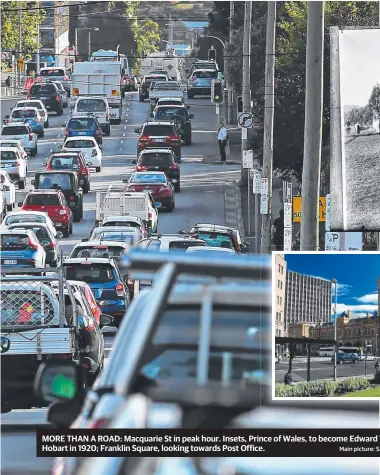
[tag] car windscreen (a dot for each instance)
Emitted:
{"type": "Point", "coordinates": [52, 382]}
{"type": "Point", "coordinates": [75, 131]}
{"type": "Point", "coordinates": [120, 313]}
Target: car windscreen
{"type": "Point", "coordinates": [166, 86]}
{"type": "Point", "coordinates": [39, 231]}
{"type": "Point", "coordinates": [129, 224]}
{"type": "Point", "coordinates": [60, 87]}
{"type": "Point", "coordinates": [156, 159]}
{"type": "Point", "coordinates": [169, 103]}
{"type": "Point", "coordinates": [81, 124]}
{"type": "Point", "coordinates": [204, 74]}
{"type": "Point", "coordinates": [151, 79]}
{"type": "Point", "coordinates": [28, 113]}
{"type": "Point", "coordinates": [59, 179]}
{"type": "Point", "coordinates": [5, 155]}
{"type": "Point", "coordinates": [35, 104]}
{"type": "Point", "coordinates": [24, 218]}
{"type": "Point", "coordinates": [89, 105]}
{"type": "Point", "coordinates": [11, 145]}
{"type": "Point", "coordinates": [106, 251]}
{"type": "Point", "coordinates": [97, 232]}
{"type": "Point", "coordinates": [176, 245]}
{"type": "Point", "coordinates": [159, 130]}
{"type": "Point", "coordinates": [16, 130]}
{"type": "Point", "coordinates": [171, 353]}
{"type": "Point", "coordinates": [79, 144]}
{"type": "Point", "coordinates": [90, 272]}
{"type": "Point", "coordinates": [147, 178]}
{"type": "Point", "coordinates": [11, 242]}
{"type": "Point", "coordinates": [43, 89]}
{"type": "Point", "coordinates": [170, 113]}
{"type": "Point", "coordinates": [42, 200]}
{"type": "Point", "coordinates": [128, 238]}
{"type": "Point", "coordinates": [52, 72]}
{"type": "Point", "coordinates": [64, 163]}
{"type": "Point", "coordinates": [216, 239]}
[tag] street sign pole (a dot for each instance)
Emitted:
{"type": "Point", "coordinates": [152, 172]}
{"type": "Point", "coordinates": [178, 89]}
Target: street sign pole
{"type": "Point", "coordinates": [247, 162]}
{"type": "Point", "coordinates": [256, 191]}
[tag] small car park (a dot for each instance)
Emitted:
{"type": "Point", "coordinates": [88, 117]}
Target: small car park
{"type": "Point", "coordinates": [22, 132]}
{"type": "Point", "coordinates": [54, 204]}
{"type": "Point", "coordinates": [71, 161]}
{"type": "Point", "coordinates": [67, 183]}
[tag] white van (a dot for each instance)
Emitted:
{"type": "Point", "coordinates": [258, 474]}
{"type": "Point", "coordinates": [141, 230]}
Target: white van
{"type": "Point", "coordinates": [99, 106]}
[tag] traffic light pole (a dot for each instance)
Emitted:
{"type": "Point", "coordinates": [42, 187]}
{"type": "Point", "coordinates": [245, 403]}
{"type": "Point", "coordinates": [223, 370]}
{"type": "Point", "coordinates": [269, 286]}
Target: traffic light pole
{"type": "Point", "coordinates": [19, 41]}
{"type": "Point", "coordinates": [230, 102]}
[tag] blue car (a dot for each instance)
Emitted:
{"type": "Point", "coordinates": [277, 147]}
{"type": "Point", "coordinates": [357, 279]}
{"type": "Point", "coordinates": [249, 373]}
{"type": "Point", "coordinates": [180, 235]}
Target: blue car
{"type": "Point", "coordinates": [20, 248]}
{"type": "Point", "coordinates": [30, 115]}
{"type": "Point", "coordinates": [200, 81]}
{"type": "Point", "coordinates": [84, 126]}
{"type": "Point", "coordinates": [105, 281]}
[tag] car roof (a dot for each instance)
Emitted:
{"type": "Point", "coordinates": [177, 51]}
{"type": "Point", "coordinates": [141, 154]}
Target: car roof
{"type": "Point", "coordinates": [116, 229]}
{"type": "Point", "coordinates": [31, 100]}
{"type": "Point", "coordinates": [92, 97]}
{"type": "Point", "coordinates": [121, 218]}
{"type": "Point", "coordinates": [22, 108]}
{"type": "Point", "coordinates": [215, 227]}
{"type": "Point", "coordinates": [11, 140]}
{"type": "Point", "coordinates": [101, 243]}
{"type": "Point", "coordinates": [13, 231]}
{"type": "Point", "coordinates": [55, 172]}
{"type": "Point", "coordinates": [31, 223]}
{"type": "Point", "coordinates": [43, 192]}
{"type": "Point", "coordinates": [95, 260]}
{"type": "Point", "coordinates": [16, 213]}
{"type": "Point", "coordinates": [157, 150]}
{"type": "Point", "coordinates": [212, 249]}
{"type": "Point", "coordinates": [172, 238]}
{"type": "Point", "coordinates": [149, 173]}
{"type": "Point", "coordinates": [179, 106]}
{"type": "Point", "coordinates": [52, 68]}
{"type": "Point", "coordinates": [79, 115]}
{"type": "Point", "coordinates": [179, 98]}
{"type": "Point", "coordinates": [9, 149]}
{"type": "Point", "coordinates": [15, 124]}
{"type": "Point", "coordinates": [65, 154]}
{"type": "Point", "coordinates": [159, 122]}
{"type": "Point", "coordinates": [204, 70]}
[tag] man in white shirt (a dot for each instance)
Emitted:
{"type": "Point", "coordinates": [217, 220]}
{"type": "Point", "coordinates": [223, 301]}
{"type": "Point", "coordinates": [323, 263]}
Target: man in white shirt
{"type": "Point", "coordinates": [222, 141]}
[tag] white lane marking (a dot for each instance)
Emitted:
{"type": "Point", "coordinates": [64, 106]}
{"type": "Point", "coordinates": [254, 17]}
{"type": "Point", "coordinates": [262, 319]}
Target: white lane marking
{"type": "Point", "coordinates": [122, 141]}
{"type": "Point", "coordinates": [125, 127]}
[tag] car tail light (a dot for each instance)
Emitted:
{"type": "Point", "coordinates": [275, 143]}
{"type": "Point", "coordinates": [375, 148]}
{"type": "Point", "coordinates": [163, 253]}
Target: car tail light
{"type": "Point", "coordinates": [99, 423]}
{"type": "Point", "coordinates": [173, 138]}
{"type": "Point", "coordinates": [65, 78]}
{"type": "Point", "coordinates": [32, 244]}
{"type": "Point", "coordinates": [17, 164]}
{"type": "Point", "coordinates": [62, 212]}
{"type": "Point", "coordinates": [39, 79]}
{"type": "Point", "coordinates": [76, 91]}
{"type": "Point", "coordinates": [27, 98]}
{"type": "Point", "coordinates": [83, 171]}
{"type": "Point", "coordinates": [141, 167]}
{"type": "Point", "coordinates": [131, 188]}
{"type": "Point", "coordinates": [173, 167]}
{"type": "Point", "coordinates": [94, 153]}
{"type": "Point", "coordinates": [48, 167]}
{"type": "Point", "coordinates": [62, 356]}
{"type": "Point", "coordinates": [144, 137]}
{"type": "Point", "coordinates": [58, 98]}
{"type": "Point", "coordinates": [149, 215]}
{"type": "Point", "coordinates": [42, 113]}
{"type": "Point", "coordinates": [71, 197]}
{"type": "Point", "coordinates": [30, 136]}
{"type": "Point", "coordinates": [120, 290]}
{"type": "Point", "coordinates": [193, 78]}
{"type": "Point", "coordinates": [66, 132]}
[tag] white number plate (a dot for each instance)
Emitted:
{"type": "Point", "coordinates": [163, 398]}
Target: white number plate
{"type": "Point", "coordinates": [81, 133]}
{"type": "Point", "coordinates": [44, 98]}
{"type": "Point", "coordinates": [159, 140]}
{"type": "Point", "coordinates": [9, 262]}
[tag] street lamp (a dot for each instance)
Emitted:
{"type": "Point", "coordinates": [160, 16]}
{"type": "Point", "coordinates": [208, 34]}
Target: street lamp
{"type": "Point", "coordinates": [89, 38]}
{"type": "Point", "coordinates": [216, 38]}
{"type": "Point", "coordinates": [334, 281]}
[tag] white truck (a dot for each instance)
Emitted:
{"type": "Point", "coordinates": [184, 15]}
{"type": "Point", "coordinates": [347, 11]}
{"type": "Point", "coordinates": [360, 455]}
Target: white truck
{"type": "Point", "coordinates": [161, 62]}
{"type": "Point", "coordinates": [115, 203]}
{"type": "Point", "coordinates": [102, 79]}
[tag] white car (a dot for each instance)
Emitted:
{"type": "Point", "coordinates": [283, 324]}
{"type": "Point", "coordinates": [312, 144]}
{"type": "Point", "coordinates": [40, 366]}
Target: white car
{"type": "Point", "coordinates": [39, 105]}
{"type": "Point", "coordinates": [9, 189]}
{"type": "Point", "coordinates": [22, 132]}
{"type": "Point", "coordinates": [28, 217]}
{"type": "Point", "coordinates": [14, 143]}
{"type": "Point", "coordinates": [368, 358]}
{"type": "Point", "coordinates": [13, 163]}
{"type": "Point", "coordinates": [210, 249]}
{"type": "Point", "coordinates": [89, 147]}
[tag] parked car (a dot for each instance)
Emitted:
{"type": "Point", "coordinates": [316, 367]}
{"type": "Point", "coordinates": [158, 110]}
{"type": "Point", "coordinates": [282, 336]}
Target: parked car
{"type": "Point", "coordinates": [65, 181]}
{"type": "Point", "coordinates": [179, 115]}
{"type": "Point", "coordinates": [21, 248]}
{"type": "Point", "coordinates": [41, 109]}
{"type": "Point", "coordinates": [22, 132]}
{"type": "Point", "coordinates": [45, 238]}
{"type": "Point", "coordinates": [71, 161]}
{"type": "Point", "coordinates": [28, 115]}
{"type": "Point", "coordinates": [159, 135]}
{"type": "Point", "coordinates": [48, 93]}
{"type": "Point", "coordinates": [82, 126]}
{"type": "Point", "coordinates": [14, 165]}
{"type": "Point", "coordinates": [8, 189]}
{"type": "Point", "coordinates": [54, 204]}
{"type": "Point", "coordinates": [157, 183]}
{"type": "Point", "coordinates": [28, 217]}
{"type": "Point", "coordinates": [92, 153]}
{"type": "Point", "coordinates": [103, 276]}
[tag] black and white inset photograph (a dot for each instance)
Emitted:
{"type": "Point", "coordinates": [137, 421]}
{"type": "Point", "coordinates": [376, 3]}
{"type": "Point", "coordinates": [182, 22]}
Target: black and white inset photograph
{"type": "Point", "coordinates": [358, 208]}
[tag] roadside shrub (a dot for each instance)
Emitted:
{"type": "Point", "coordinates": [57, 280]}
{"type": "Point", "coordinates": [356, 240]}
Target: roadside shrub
{"type": "Point", "coordinates": [353, 384]}
{"type": "Point", "coordinates": [322, 388]}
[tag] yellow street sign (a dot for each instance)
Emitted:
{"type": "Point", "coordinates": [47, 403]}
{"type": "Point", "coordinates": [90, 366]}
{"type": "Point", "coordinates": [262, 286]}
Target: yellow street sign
{"type": "Point", "coordinates": [20, 62]}
{"type": "Point", "coordinates": [297, 206]}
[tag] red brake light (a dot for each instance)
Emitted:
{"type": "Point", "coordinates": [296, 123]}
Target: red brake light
{"type": "Point", "coordinates": [32, 244]}
{"type": "Point", "coordinates": [144, 137]}
{"type": "Point", "coordinates": [27, 98]}
{"type": "Point", "coordinates": [30, 136]}
{"type": "Point", "coordinates": [66, 132]}
{"type": "Point", "coordinates": [65, 78]}
{"type": "Point", "coordinates": [51, 245]}
{"type": "Point", "coordinates": [17, 164]}
{"type": "Point", "coordinates": [72, 197]}
{"type": "Point", "coordinates": [42, 113]}
{"type": "Point", "coordinates": [120, 290]}
{"type": "Point", "coordinates": [58, 98]}
{"type": "Point", "coordinates": [173, 137]}
{"type": "Point", "coordinates": [140, 167]}
{"type": "Point", "coordinates": [83, 171]}
{"type": "Point", "coordinates": [149, 216]}
{"type": "Point", "coordinates": [173, 167]}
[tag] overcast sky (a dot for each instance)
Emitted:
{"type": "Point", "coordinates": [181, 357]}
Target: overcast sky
{"type": "Point", "coordinates": [359, 65]}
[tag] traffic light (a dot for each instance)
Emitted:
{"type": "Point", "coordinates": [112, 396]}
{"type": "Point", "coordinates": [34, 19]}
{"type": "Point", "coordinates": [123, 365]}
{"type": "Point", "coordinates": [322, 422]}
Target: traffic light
{"type": "Point", "coordinates": [240, 104]}
{"type": "Point", "coordinates": [212, 54]}
{"type": "Point", "coordinates": [217, 96]}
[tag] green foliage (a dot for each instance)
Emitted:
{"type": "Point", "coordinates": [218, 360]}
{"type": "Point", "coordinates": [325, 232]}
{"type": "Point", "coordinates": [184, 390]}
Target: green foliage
{"type": "Point", "coordinates": [373, 392]}
{"type": "Point", "coordinates": [322, 388]}
{"type": "Point", "coordinates": [10, 24]}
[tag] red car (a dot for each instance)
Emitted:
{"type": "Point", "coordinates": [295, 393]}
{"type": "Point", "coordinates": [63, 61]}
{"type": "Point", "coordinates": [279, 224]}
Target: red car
{"type": "Point", "coordinates": [54, 204]}
{"type": "Point", "coordinates": [157, 183]}
{"type": "Point", "coordinates": [159, 135]}
{"type": "Point", "coordinates": [71, 161]}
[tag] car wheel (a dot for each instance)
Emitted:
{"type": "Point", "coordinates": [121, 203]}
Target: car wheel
{"type": "Point", "coordinates": [77, 216]}
{"type": "Point", "coordinates": [41, 134]}
{"type": "Point", "coordinates": [188, 140]}
{"type": "Point", "coordinates": [98, 169]}
{"type": "Point", "coordinates": [66, 232]}
{"type": "Point", "coordinates": [33, 152]}
{"type": "Point", "coordinates": [170, 207]}
{"type": "Point", "coordinates": [47, 124]}
{"type": "Point", "coordinates": [21, 184]}
{"type": "Point", "coordinates": [177, 187]}
{"type": "Point", "coordinates": [86, 188]}
{"type": "Point", "coordinates": [71, 228]}
{"type": "Point", "coordinates": [60, 111]}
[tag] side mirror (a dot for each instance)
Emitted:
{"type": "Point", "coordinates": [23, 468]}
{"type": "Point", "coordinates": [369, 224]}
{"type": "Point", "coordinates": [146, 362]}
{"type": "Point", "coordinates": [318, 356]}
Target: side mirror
{"type": "Point", "coordinates": [137, 131]}
{"type": "Point", "coordinates": [5, 344]}
{"type": "Point", "coordinates": [191, 116]}
{"type": "Point", "coordinates": [158, 205]}
{"type": "Point", "coordinates": [19, 204]}
{"type": "Point", "coordinates": [58, 382]}
{"type": "Point", "coordinates": [188, 107]}
{"type": "Point", "coordinates": [125, 181]}
{"type": "Point", "coordinates": [106, 320]}
{"type": "Point", "coordinates": [33, 182]}
{"type": "Point", "coordinates": [84, 239]}
{"type": "Point", "coordinates": [134, 162]}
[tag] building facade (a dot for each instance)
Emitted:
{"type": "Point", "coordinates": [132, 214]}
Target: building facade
{"type": "Point", "coordinates": [280, 283]}
{"type": "Point", "coordinates": [307, 299]}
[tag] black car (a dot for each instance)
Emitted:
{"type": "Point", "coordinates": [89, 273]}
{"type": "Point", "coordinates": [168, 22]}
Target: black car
{"type": "Point", "coordinates": [48, 94]}
{"type": "Point", "coordinates": [179, 115]}
{"type": "Point", "coordinates": [67, 182]}
{"type": "Point", "coordinates": [160, 160]}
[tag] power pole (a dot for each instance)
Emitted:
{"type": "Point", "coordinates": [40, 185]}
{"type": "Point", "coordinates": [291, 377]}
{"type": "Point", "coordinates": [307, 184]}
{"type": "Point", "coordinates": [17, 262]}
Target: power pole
{"type": "Point", "coordinates": [38, 47]}
{"type": "Point", "coordinates": [267, 172]}
{"type": "Point", "coordinates": [230, 102]}
{"type": "Point", "coordinates": [246, 86]}
{"type": "Point", "coordinates": [313, 127]}
{"type": "Point", "coordinates": [19, 41]}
